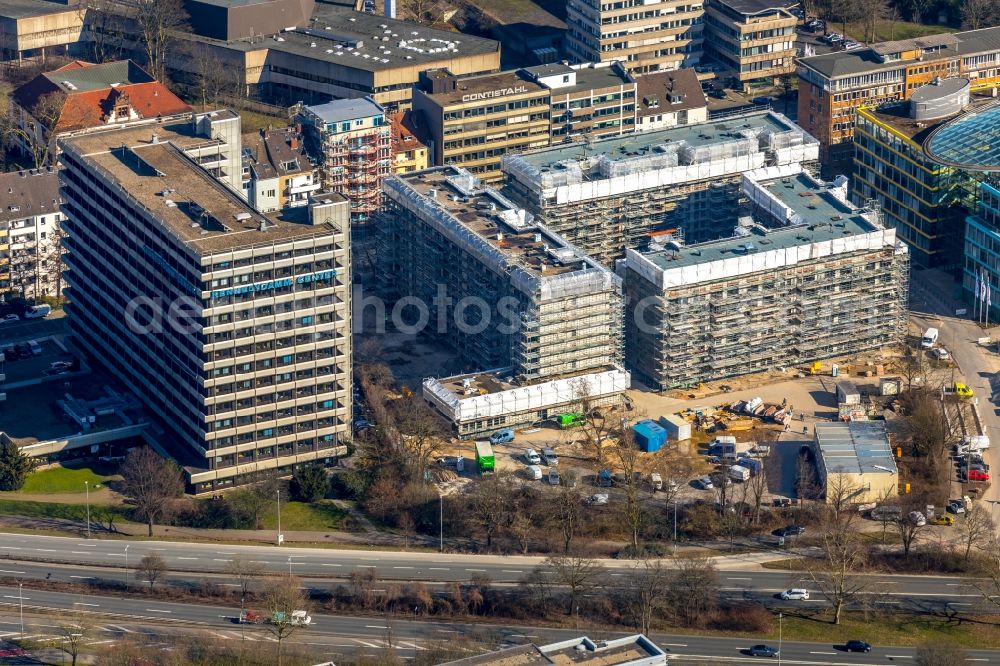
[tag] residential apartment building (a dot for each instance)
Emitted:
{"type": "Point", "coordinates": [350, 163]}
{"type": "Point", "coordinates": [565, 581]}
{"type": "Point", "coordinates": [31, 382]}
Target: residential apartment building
{"type": "Point", "coordinates": [753, 39]}
{"type": "Point", "coordinates": [806, 276]}
{"type": "Point", "coordinates": [669, 99]}
{"type": "Point", "coordinates": [924, 200]}
{"type": "Point", "coordinates": [645, 36]}
{"type": "Point", "coordinates": [632, 191]}
{"type": "Point", "coordinates": [541, 307]}
{"type": "Point", "coordinates": [231, 327]}
{"type": "Point", "coordinates": [352, 140]}
{"type": "Point", "coordinates": [30, 218]}
{"type": "Point", "coordinates": [474, 121]}
{"type": "Point", "coordinates": [833, 86]}
{"type": "Point", "coordinates": [277, 171]}
{"type": "Point", "coordinates": [408, 152]}
{"type": "Point", "coordinates": [81, 95]}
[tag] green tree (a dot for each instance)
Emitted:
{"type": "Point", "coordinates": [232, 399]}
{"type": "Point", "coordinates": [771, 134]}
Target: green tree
{"type": "Point", "coordinates": [309, 483]}
{"type": "Point", "coordinates": [15, 466]}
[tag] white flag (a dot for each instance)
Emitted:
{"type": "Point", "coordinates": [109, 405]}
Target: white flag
{"type": "Point", "coordinates": [975, 293]}
{"type": "Point", "coordinates": [989, 294]}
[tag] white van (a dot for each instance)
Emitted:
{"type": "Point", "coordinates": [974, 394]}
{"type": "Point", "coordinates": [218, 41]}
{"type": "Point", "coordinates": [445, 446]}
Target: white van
{"type": "Point", "coordinates": [930, 337]}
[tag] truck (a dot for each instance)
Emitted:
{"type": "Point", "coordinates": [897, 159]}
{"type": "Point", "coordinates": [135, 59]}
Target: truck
{"type": "Point", "coordinates": [649, 435]}
{"type": "Point", "coordinates": [929, 338]}
{"type": "Point", "coordinates": [570, 420]}
{"type": "Point", "coordinates": [297, 618]}
{"type": "Point", "coordinates": [739, 473]}
{"type": "Point", "coordinates": [753, 464]}
{"type": "Point", "coordinates": [484, 457]}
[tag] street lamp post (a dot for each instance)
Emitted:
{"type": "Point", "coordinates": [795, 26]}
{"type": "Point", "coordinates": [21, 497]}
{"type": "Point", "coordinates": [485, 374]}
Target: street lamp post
{"type": "Point", "coordinates": [289, 565]}
{"type": "Point", "coordinates": [280, 539]}
{"type": "Point", "coordinates": [780, 617]}
{"type": "Point", "coordinates": [86, 485]}
{"type": "Point", "coordinates": [20, 602]}
{"type": "Point", "coordinates": [675, 525]}
{"type": "Point", "coordinates": [126, 568]}
{"type": "Point", "coordinates": [440, 521]}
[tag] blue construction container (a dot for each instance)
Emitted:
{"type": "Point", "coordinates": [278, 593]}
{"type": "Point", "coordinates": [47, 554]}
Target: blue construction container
{"type": "Point", "coordinates": [752, 464]}
{"type": "Point", "coordinates": [649, 435]}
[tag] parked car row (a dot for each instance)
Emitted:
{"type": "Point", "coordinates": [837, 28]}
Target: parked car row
{"type": "Point", "coordinates": [22, 350]}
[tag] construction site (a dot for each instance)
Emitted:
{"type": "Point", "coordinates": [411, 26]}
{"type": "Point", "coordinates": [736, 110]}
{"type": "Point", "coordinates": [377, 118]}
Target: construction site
{"type": "Point", "coordinates": [678, 184]}
{"type": "Point", "coordinates": [352, 141]}
{"type": "Point", "coordinates": [501, 290]}
{"type": "Point", "coordinates": [806, 276]}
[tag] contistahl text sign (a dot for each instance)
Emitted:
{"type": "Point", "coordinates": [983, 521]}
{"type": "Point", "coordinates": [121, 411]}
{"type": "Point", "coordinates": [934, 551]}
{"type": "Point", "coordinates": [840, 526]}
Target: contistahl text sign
{"type": "Point", "coordinates": [499, 92]}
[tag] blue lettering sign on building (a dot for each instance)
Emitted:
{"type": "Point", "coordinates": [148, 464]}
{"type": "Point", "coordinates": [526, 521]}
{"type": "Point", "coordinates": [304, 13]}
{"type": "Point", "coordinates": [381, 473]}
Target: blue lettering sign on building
{"type": "Point", "coordinates": [271, 285]}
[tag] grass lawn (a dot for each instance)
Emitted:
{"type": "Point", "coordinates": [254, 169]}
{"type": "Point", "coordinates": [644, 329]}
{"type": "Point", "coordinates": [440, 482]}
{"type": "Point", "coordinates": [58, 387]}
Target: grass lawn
{"type": "Point", "coordinates": [14, 507]}
{"type": "Point", "coordinates": [890, 30]}
{"type": "Point", "coordinates": [890, 629]}
{"type": "Point", "coordinates": [66, 479]}
{"type": "Point", "coordinates": [254, 122]}
{"type": "Point", "coordinates": [322, 515]}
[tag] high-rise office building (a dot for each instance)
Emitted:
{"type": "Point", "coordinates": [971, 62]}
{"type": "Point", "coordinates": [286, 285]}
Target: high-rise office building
{"type": "Point", "coordinates": [645, 36]}
{"type": "Point", "coordinates": [232, 327]}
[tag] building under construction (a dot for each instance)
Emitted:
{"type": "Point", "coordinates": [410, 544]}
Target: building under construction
{"type": "Point", "coordinates": [806, 276]}
{"type": "Point", "coordinates": [502, 290]}
{"type": "Point", "coordinates": [352, 139]}
{"type": "Point", "coordinates": [679, 183]}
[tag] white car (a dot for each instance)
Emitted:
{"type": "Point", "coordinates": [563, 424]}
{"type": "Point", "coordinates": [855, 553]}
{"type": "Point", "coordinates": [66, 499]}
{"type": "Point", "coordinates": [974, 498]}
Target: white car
{"type": "Point", "coordinates": [9, 319]}
{"type": "Point", "coordinates": [531, 457]}
{"type": "Point", "coordinates": [534, 472]}
{"type": "Point", "coordinates": [940, 353]}
{"type": "Point", "coordinates": [598, 499]}
{"type": "Point", "coordinates": [917, 518]}
{"type": "Point", "coordinates": [795, 594]}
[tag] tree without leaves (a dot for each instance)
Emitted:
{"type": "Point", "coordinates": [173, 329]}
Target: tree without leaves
{"type": "Point", "coordinates": [692, 589]}
{"type": "Point", "coordinates": [152, 566]}
{"type": "Point", "coordinates": [421, 431]}
{"type": "Point", "coordinates": [425, 12]}
{"type": "Point", "coordinates": [150, 482]}
{"type": "Point", "coordinates": [282, 596]}
{"type": "Point", "coordinates": [492, 502]}
{"type": "Point", "coordinates": [641, 594]}
{"type": "Point", "coordinates": [255, 500]}
{"type": "Point", "coordinates": [628, 458]}
{"type": "Point", "coordinates": [577, 574]}
{"type": "Point", "coordinates": [836, 573]}
{"type": "Point", "coordinates": [598, 426]}
{"type": "Point", "coordinates": [157, 20]}
{"type": "Point", "coordinates": [105, 28]}
{"type": "Point", "coordinates": [566, 512]}
{"type": "Point", "coordinates": [907, 528]}
{"type": "Point", "coordinates": [72, 633]}
{"type": "Point", "coordinates": [15, 466]}
{"type": "Point", "coordinates": [977, 529]}
{"type": "Point", "coordinates": [309, 483]}
{"type": "Point", "coordinates": [978, 14]}
{"type": "Point", "coordinates": [37, 138]}
{"type": "Point", "coordinates": [245, 571]}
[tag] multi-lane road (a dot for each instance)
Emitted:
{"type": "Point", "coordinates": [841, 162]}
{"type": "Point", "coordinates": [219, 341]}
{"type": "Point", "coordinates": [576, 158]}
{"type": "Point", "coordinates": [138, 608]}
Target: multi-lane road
{"type": "Point", "coordinates": [24, 557]}
{"type": "Point", "coordinates": [335, 635]}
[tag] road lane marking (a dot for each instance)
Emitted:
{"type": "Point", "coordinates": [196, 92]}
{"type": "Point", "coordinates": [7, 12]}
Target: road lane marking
{"type": "Point", "coordinates": [47, 550]}
{"type": "Point", "coordinates": [121, 629]}
{"type": "Point", "coordinates": [438, 569]}
{"type": "Point", "coordinates": [19, 573]}
{"type": "Point", "coordinates": [976, 659]}
{"type": "Point", "coordinates": [404, 567]}
{"type": "Point", "coordinates": [675, 644]}
{"type": "Point", "coordinates": [511, 571]}
{"type": "Point", "coordinates": [87, 545]}
{"type": "Point", "coordinates": [12, 597]}
{"type": "Point", "coordinates": [374, 626]}
{"type": "Point", "coordinates": [83, 577]}
{"type": "Point", "coordinates": [157, 610]}
{"type": "Point", "coordinates": [216, 559]}
{"type": "Point", "coordinates": [11, 547]}
{"type": "Point", "coordinates": [218, 553]}
{"type": "Point", "coordinates": [479, 570]}
{"type": "Point", "coordinates": [365, 643]}
{"type": "Point", "coordinates": [413, 645]}
{"type": "Point", "coordinates": [738, 579]}
{"type": "Point", "coordinates": [109, 640]}
{"type": "Point", "coordinates": [81, 603]}
{"type": "Point", "coordinates": [331, 565]}
{"type": "Point", "coordinates": [898, 656]}
{"type": "Point", "coordinates": [187, 558]}
{"type": "Point", "coordinates": [368, 566]}
{"type": "Point", "coordinates": [443, 631]}
{"type": "Point", "coordinates": [811, 652]}
{"type": "Point", "coordinates": [79, 552]}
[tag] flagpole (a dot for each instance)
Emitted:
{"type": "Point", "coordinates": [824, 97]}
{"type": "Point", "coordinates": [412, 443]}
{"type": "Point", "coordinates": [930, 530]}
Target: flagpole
{"type": "Point", "coordinates": [975, 297]}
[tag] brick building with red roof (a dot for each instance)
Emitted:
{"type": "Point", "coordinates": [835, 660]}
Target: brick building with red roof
{"type": "Point", "coordinates": [82, 95]}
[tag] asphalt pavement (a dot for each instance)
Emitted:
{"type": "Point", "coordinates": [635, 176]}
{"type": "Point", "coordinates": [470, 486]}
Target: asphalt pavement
{"type": "Point", "coordinates": [336, 634]}
{"type": "Point", "coordinates": [25, 556]}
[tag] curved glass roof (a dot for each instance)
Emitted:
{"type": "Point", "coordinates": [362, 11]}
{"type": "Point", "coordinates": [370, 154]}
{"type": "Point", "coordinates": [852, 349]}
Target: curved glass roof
{"type": "Point", "coordinates": [970, 141]}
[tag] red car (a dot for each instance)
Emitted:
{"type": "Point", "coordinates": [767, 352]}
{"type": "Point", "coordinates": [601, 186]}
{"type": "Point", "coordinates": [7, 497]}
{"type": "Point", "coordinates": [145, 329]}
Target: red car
{"type": "Point", "coordinates": [977, 475]}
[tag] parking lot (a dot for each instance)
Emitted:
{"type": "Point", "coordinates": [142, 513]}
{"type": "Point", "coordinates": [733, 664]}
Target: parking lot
{"type": "Point", "coordinates": [34, 368]}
